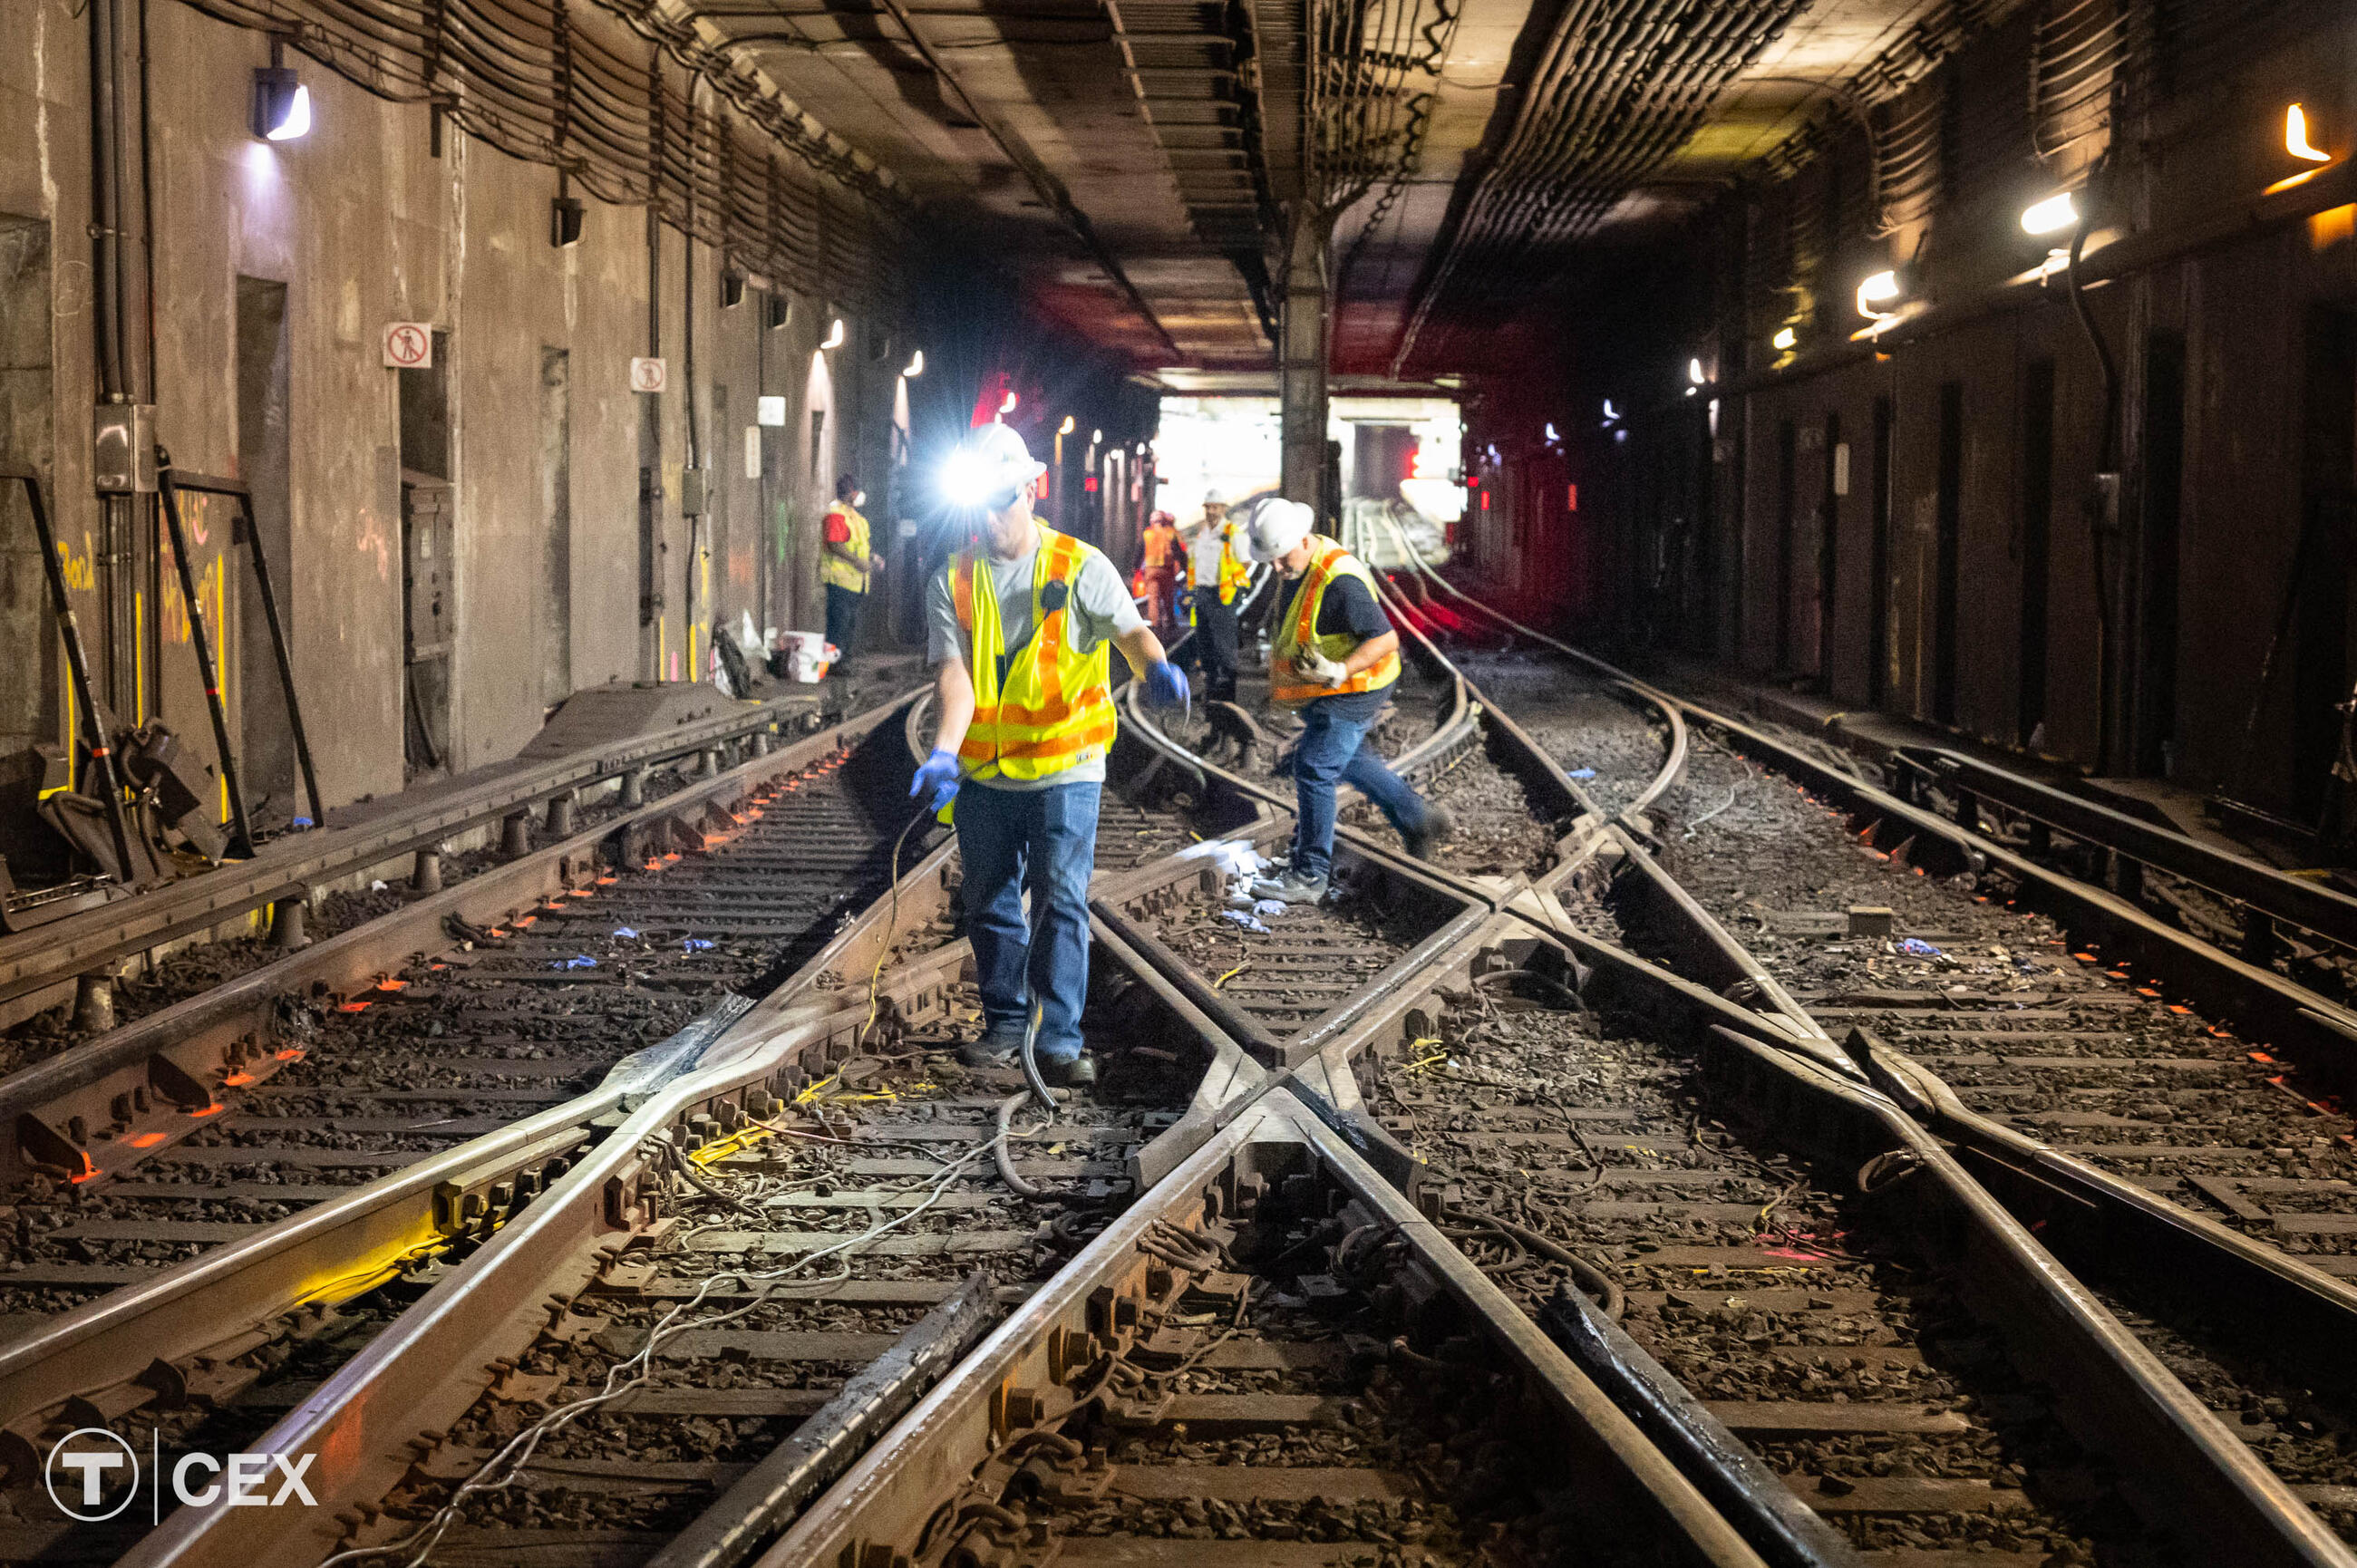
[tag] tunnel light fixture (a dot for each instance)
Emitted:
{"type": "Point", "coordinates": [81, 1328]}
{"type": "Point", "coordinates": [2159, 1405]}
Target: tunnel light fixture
{"type": "Point", "coordinates": [1785, 338]}
{"type": "Point", "coordinates": [1695, 372]}
{"type": "Point", "coordinates": [1878, 293]}
{"type": "Point", "coordinates": [1611, 415]}
{"type": "Point", "coordinates": [1096, 437]}
{"type": "Point", "coordinates": [2052, 215]}
{"type": "Point", "coordinates": [1007, 405]}
{"type": "Point", "coordinates": [2296, 140]}
{"type": "Point", "coordinates": [1065, 428]}
{"type": "Point", "coordinates": [835, 334]}
{"type": "Point", "coordinates": [281, 105]}
{"type": "Point", "coordinates": [916, 365]}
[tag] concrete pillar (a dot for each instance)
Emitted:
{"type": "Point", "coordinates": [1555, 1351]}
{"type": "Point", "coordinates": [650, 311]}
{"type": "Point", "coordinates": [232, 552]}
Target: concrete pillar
{"type": "Point", "coordinates": [515, 834]}
{"type": "Point", "coordinates": [426, 876]}
{"type": "Point", "coordinates": [560, 816]}
{"type": "Point", "coordinates": [1301, 362]}
{"type": "Point", "coordinates": [761, 742]}
{"type": "Point", "coordinates": [634, 787]}
{"type": "Point", "coordinates": [289, 923]}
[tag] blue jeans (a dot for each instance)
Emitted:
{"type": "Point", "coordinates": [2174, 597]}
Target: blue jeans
{"type": "Point", "coordinates": [1333, 746]}
{"type": "Point", "coordinates": [1045, 840]}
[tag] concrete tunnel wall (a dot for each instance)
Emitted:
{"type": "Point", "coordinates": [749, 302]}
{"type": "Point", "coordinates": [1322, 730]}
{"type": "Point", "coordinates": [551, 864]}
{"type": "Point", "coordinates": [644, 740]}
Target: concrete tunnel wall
{"type": "Point", "coordinates": [364, 226]}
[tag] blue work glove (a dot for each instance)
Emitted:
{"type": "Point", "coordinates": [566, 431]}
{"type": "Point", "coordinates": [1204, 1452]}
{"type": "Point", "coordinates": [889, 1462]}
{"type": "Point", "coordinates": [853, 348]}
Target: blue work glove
{"type": "Point", "coordinates": [1166, 684]}
{"type": "Point", "coordinates": [1186, 600]}
{"type": "Point", "coordinates": [940, 775]}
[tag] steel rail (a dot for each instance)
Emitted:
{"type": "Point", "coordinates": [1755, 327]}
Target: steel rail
{"type": "Point", "coordinates": [341, 1248]}
{"type": "Point", "coordinates": [291, 864]}
{"type": "Point", "coordinates": [426, 1368]}
{"type": "Point", "coordinates": [194, 1036]}
{"type": "Point", "coordinates": [2188, 1468]}
{"type": "Point", "coordinates": [888, 1495]}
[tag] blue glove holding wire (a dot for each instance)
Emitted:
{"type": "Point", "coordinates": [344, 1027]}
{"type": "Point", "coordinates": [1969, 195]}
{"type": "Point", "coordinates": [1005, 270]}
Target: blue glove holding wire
{"type": "Point", "coordinates": [1166, 685]}
{"type": "Point", "coordinates": [940, 775]}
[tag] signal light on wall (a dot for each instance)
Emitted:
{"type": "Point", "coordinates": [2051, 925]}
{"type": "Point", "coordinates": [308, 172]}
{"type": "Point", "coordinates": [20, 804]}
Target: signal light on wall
{"type": "Point", "coordinates": [2052, 216]}
{"type": "Point", "coordinates": [281, 105]}
{"type": "Point", "coordinates": [2296, 140]}
{"type": "Point", "coordinates": [1784, 340]}
{"type": "Point", "coordinates": [835, 335]}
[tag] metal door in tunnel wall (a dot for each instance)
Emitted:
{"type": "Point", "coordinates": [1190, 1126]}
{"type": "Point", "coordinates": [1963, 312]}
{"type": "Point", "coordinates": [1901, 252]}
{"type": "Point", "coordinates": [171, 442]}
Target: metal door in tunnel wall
{"type": "Point", "coordinates": [2319, 630]}
{"type": "Point", "coordinates": [266, 743]}
{"type": "Point", "coordinates": [1948, 553]}
{"type": "Point", "coordinates": [2036, 546]}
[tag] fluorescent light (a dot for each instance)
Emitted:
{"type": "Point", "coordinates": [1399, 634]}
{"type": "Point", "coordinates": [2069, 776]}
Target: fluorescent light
{"type": "Point", "coordinates": [2296, 140]}
{"type": "Point", "coordinates": [1785, 337]}
{"type": "Point", "coordinates": [281, 105]}
{"type": "Point", "coordinates": [1695, 373]}
{"type": "Point", "coordinates": [835, 335]}
{"type": "Point", "coordinates": [916, 365]}
{"type": "Point", "coordinates": [2051, 215]}
{"type": "Point", "coordinates": [770, 410]}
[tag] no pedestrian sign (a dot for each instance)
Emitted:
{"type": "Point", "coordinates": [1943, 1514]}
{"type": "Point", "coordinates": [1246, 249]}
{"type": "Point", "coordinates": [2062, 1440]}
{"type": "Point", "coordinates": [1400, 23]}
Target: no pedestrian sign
{"type": "Point", "coordinates": [408, 346]}
{"type": "Point", "coordinates": [646, 375]}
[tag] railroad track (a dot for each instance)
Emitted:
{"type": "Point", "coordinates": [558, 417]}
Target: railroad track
{"type": "Point", "coordinates": [1288, 1193]}
{"type": "Point", "coordinates": [235, 1237]}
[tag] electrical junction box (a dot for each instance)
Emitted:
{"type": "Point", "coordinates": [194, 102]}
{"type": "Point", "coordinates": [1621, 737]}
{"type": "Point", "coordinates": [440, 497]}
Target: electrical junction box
{"type": "Point", "coordinates": [123, 448]}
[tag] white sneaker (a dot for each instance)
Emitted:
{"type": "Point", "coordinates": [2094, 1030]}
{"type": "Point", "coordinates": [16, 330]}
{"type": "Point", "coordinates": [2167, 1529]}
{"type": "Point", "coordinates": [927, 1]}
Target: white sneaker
{"type": "Point", "coordinates": [1291, 888]}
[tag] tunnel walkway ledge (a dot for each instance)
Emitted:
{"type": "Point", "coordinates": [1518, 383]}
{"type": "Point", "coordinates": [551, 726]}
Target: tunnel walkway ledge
{"type": "Point", "coordinates": [378, 839]}
{"type": "Point", "coordinates": [1877, 737]}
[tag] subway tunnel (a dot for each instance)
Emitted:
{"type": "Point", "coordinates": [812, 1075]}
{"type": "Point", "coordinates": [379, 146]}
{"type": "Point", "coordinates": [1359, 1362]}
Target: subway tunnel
{"type": "Point", "coordinates": [1834, 1003]}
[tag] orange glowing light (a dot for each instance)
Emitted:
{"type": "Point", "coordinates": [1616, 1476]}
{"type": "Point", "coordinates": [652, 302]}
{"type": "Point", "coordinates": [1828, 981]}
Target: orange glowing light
{"type": "Point", "coordinates": [359, 1007]}
{"type": "Point", "coordinates": [525, 921]}
{"type": "Point", "coordinates": [213, 1109]}
{"type": "Point", "coordinates": [2296, 140]}
{"type": "Point", "coordinates": [144, 1140]}
{"type": "Point", "coordinates": [390, 984]}
{"type": "Point", "coordinates": [237, 1081]}
{"type": "Point", "coordinates": [291, 1054]}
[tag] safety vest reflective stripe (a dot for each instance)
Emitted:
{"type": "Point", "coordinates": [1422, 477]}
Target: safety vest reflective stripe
{"type": "Point", "coordinates": [1299, 630]}
{"type": "Point", "coordinates": [1055, 705]}
{"type": "Point", "coordinates": [833, 568]}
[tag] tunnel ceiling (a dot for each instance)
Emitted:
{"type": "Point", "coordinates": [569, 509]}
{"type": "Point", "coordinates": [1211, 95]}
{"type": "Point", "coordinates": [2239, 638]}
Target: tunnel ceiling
{"type": "Point", "coordinates": [1135, 162]}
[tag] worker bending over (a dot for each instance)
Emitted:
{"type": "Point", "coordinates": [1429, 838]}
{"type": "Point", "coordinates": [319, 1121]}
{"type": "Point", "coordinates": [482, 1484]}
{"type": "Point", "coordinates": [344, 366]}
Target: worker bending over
{"type": "Point", "coordinates": [845, 567]}
{"type": "Point", "coordinates": [1016, 631]}
{"type": "Point", "coordinates": [1216, 576]}
{"type": "Point", "coordinates": [1333, 655]}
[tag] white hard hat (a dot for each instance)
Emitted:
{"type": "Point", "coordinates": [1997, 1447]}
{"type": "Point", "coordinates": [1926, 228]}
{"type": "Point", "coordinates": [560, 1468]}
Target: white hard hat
{"type": "Point", "coordinates": [1277, 527]}
{"type": "Point", "coordinates": [1215, 497]}
{"type": "Point", "coordinates": [993, 461]}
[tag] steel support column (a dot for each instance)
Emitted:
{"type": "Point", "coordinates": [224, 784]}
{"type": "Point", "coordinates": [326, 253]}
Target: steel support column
{"type": "Point", "coordinates": [1301, 365]}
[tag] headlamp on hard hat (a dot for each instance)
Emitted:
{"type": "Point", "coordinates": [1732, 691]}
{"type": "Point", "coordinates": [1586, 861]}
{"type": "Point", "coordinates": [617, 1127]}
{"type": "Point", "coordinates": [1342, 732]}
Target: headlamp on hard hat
{"type": "Point", "coordinates": [989, 471]}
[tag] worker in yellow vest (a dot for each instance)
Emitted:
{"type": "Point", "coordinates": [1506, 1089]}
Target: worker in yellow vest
{"type": "Point", "coordinates": [1333, 654]}
{"type": "Point", "coordinates": [845, 566]}
{"type": "Point", "coordinates": [1018, 629]}
{"type": "Point", "coordinates": [1217, 574]}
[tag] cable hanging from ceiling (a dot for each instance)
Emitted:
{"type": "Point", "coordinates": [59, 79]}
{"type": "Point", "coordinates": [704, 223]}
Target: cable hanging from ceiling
{"type": "Point", "coordinates": [529, 78]}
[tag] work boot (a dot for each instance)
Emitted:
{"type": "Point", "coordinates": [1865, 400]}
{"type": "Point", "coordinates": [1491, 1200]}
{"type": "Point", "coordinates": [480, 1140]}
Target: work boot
{"type": "Point", "coordinates": [1290, 887]}
{"type": "Point", "coordinates": [1079, 1072]}
{"type": "Point", "coordinates": [1438, 828]}
{"type": "Point", "coordinates": [993, 1047]}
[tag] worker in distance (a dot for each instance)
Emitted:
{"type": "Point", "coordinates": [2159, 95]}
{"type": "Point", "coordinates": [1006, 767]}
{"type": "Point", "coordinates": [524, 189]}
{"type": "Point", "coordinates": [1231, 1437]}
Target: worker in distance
{"type": "Point", "coordinates": [1217, 576]}
{"type": "Point", "coordinates": [1018, 626]}
{"type": "Point", "coordinates": [1334, 655]}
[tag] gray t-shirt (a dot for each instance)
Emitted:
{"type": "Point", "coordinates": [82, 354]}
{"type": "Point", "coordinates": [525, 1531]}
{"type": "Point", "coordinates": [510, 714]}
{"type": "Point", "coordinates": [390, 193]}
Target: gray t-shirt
{"type": "Point", "coordinates": [1099, 610]}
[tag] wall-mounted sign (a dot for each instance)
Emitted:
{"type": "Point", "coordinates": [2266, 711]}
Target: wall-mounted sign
{"type": "Point", "coordinates": [1841, 468]}
{"type": "Point", "coordinates": [770, 411]}
{"type": "Point", "coordinates": [752, 451]}
{"type": "Point", "coordinates": [408, 346]}
{"type": "Point", "coordinates": [647, 375]}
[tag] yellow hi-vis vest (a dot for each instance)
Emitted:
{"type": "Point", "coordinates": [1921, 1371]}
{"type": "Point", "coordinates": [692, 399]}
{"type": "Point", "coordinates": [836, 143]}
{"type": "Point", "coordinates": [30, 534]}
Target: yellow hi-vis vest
{"type": "Point", "coordinates": [1235, 570]}
{"type": "Point", "coordinates": [1297, 628]}
{"type": "Point", "coordinates": [1055, 707]}
{"type": "Point", "coordinates": [833, 568]}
